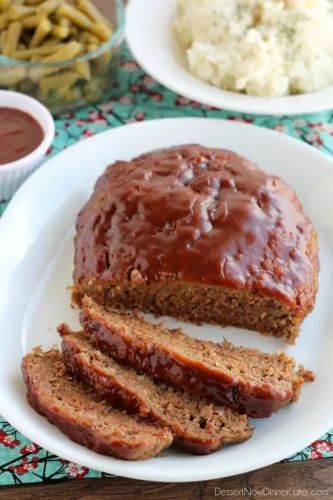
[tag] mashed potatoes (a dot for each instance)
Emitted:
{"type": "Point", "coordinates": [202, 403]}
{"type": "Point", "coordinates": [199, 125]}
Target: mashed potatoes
{"type": "Point", "coordinates": [260, 47]}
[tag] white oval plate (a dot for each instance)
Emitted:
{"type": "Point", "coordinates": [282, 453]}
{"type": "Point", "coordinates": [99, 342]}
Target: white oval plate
{"type": "Point", "coordinates": [150, 37]}
{"type": "Point", "coordinates": [36, 256]}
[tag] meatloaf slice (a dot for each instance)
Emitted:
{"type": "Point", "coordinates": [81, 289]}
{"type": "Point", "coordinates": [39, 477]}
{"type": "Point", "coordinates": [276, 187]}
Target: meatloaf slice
{"type": "Point", "coordinates": [198, 426]}
{"type": "Point", "coordinates": [82, 416]}
{"type": "Point", "coordinates": [245, 379]}
{"type": "Point", "coordinates": [200, 234]}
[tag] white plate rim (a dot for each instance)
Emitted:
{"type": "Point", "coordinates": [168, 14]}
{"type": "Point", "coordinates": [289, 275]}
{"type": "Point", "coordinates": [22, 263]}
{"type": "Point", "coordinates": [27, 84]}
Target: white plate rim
{"type": "Point", "coordinates": [118, 466]}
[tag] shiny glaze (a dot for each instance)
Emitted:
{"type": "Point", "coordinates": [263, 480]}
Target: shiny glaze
{"type": "Point", "coordinates": [197, 215]}
{"type": "Point", "coordinates": [20, 134]}
{"type": "Point", "coordinates": [80, 435]}
{"type": "Point", "coordinates": [120, 397]}
{"type": "Point", "coordinates": [84, 435]}
{"type": "Point", "coordinates": [192, 377]}
{"type": "Point", "coordinates": [115, 395]}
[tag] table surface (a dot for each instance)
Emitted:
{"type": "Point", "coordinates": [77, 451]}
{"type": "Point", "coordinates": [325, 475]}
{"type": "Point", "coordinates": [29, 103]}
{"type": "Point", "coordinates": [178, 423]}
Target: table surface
{"type": "Point", "coordinates": [138, 97]}
{"type": "Point", "coordinates": [304, 480]}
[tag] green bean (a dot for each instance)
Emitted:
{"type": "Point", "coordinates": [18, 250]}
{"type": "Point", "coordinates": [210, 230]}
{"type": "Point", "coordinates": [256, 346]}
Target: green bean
{"type": "Point", "coordinates": [42, 30]}
{"type": "Point", "coordinates": [67, 78]}
{"type": "Point", "coordinates": [55, 32]}
{"type": "Point", "coordinates": [13, 36]}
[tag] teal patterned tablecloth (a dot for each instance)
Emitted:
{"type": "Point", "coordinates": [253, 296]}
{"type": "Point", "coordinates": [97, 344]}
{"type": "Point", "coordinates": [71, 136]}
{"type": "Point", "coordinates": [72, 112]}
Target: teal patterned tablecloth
{"type": "Point", "coordinates": [138, 97]}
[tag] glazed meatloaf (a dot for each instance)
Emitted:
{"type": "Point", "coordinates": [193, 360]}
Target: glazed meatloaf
{"type": "Point", "coordinates": [198, 426]}
{"type": "Point", "coordinates": [83, 416]}
{"type": "Point", "coordinates": [199, 234]}
{"type": "Point", "coordinates": [245, 379]}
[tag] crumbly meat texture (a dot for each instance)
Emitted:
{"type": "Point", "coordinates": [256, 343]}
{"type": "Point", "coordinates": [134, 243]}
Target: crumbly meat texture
{"type": "Point", "coordinates": [199, 426]}
{"type": "Point", "coordinates": [246, 379]}
{"type": "Point", "coordinates": [199, 234]}
{"type": "Point", "coordinates": [85, 418]}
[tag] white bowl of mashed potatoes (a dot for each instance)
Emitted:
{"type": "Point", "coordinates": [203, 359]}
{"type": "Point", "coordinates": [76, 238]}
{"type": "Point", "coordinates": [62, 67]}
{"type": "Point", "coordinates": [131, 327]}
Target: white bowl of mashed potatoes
{"type": "Point", "coordinates": [258, 47]}
{"type": "Point", "coordinates": [258, 56]}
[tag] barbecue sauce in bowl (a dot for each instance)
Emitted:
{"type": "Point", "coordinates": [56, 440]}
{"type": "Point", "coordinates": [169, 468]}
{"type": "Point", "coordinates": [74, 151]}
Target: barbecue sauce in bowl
{"type": "Point", "coordinates": [20, 134]}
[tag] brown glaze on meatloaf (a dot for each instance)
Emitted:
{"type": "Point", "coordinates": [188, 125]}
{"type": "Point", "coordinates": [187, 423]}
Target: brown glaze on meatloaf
{"type": "Point", "coordinates": [198, 426]}
{"type": "Point", "coordinates": [247, 380]}
{"type": "Point", "coordinates": [84, 417]}
{"type": "Point", "coordinates": [196, 217]}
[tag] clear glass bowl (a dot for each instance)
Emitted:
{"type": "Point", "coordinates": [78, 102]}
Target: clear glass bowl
{"type": "Point", "coordinates": [93, 73]}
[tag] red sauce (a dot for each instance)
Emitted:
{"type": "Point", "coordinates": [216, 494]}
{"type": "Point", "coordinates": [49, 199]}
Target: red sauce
{"type": "Point", "coordinates": [191, 377]}
{"type": "Point", "coordinates": [198, 215]}
{"type": "Point", "coordinates": [119, 397]}
{"type": "Point", "coordinates": [20, 134]}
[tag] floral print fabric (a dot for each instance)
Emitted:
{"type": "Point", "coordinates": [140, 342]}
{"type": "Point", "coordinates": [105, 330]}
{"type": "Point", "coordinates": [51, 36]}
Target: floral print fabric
{"type": "Point", "coordinates": [136, 97]}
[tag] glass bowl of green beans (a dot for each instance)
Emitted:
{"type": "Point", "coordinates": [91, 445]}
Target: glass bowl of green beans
{"type": "Point", "coordinates": [62, 52]}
